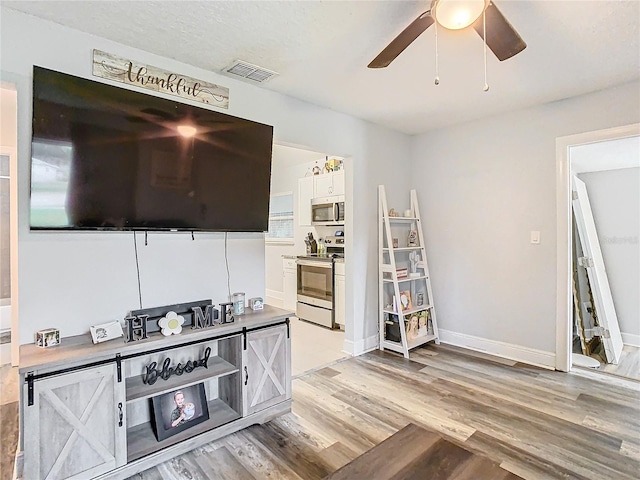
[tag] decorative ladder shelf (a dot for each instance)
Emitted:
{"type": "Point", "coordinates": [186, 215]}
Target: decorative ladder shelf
{"type": "Point", "coordinates": [416, 324]}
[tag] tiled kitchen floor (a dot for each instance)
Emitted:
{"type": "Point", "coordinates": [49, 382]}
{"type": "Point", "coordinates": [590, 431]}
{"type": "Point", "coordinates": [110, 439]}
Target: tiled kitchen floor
{"type": "Point", "coordinates": [313, 346]}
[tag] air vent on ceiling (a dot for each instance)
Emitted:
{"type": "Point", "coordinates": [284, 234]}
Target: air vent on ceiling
{"type": "Point", "coordinates": [249, 71]}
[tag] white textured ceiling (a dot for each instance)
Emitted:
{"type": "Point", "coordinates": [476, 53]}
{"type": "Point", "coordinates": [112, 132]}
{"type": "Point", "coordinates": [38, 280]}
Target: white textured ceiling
{"type": "Point", "coordinates": [321, 50]}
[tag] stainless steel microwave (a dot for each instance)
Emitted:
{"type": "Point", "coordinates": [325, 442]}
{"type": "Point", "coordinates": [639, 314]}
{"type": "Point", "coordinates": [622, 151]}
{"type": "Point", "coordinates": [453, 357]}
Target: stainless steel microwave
{"type": "Point", "coordinates": [327, 210]}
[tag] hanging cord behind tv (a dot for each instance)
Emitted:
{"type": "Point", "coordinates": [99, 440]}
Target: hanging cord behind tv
{"type": "Point", "coordinates": [135, 247]}
{"type": "Point", "coordinates": [226, 261]}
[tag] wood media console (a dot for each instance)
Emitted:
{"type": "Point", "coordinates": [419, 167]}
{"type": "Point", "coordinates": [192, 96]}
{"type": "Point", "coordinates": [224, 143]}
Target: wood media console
{"type": "Point", "coordinates": [86, 412]}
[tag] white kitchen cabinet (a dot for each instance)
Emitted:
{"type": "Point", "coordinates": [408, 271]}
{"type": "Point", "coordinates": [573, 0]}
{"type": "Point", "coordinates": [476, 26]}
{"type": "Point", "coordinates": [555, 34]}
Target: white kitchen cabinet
{"type": "Point", "coordinates": [289, 283]}
{"type": "Point", "coordinates": [323, 185]}
{"type": "Point", "coordinates": [340, 296]}
{"type": "Point", "coordinates": [338, 183]}
{"type": "Point", "coordinates": [328, 184]}
{"type": "Point", "coordinates": [305, 194]}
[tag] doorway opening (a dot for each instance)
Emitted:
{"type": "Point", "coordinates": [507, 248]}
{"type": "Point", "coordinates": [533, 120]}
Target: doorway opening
{"type": "Point", "coordinates": [601, 160]}
{"type": "Point", "coordinates": [318, 330]}
{"type": "Point", "coordinates": [9, 346]}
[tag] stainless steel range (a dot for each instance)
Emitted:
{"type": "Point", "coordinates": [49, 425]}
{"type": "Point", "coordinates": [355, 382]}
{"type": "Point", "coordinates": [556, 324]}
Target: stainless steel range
{"type": "Point", "coordinates": [316, 298]}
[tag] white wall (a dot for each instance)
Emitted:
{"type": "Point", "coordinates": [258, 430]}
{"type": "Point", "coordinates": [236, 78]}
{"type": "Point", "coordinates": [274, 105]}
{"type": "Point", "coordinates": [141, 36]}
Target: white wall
{"type": "Point", "coordinates": [74, 280]}
{"type": "Point", "coordinates": [483, 186]}
{"type": "Point", "coordinates": [284, 178]}
{"type": "Point", "coordinates": [614, 196]}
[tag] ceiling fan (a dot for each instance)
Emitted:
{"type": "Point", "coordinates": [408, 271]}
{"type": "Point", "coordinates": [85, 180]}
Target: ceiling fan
{"type": "Point", "coordinates": [501, 37]}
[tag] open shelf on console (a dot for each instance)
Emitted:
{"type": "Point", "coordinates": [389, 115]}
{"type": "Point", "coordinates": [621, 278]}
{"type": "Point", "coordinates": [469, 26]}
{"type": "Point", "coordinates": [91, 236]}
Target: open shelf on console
{"type": "Point", "coordinates": [142, 441]}
{"type": "Point", "coordinates": [137, 389]}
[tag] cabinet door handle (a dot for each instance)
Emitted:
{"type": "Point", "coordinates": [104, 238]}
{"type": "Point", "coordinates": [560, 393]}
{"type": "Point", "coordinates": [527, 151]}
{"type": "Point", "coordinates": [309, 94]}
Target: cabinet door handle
{"type": "Point", "coordinates": [120, 415]}
{"type": "Point", "coordinates": [246, 375]}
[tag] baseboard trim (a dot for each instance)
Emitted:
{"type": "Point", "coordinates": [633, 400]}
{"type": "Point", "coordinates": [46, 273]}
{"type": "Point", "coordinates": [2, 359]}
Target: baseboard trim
{"type": "Point", "coordinates": [510, 351]}
{"type": "Point", "coordinates": [361, 346]}
{"type": "Point", "coordinates": [18, 464]}
{"type": "Point", "coordinates": [274, 298]}
{"type": "Point", "coordinates": [631, 339]}
{"type": "Point", "coordinates": [5, 336]}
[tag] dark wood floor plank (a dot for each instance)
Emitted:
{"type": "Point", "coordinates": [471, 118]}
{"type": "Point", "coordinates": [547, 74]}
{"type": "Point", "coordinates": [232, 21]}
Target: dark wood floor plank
{"type": "Point", "coordinates": [183, 467]}
{"type": "Point", "coordinates": [595, 404]}
{"type": "Point", "coordinates": [504, 452]}
{"type": "Point", "coordinates": [414, 453]}
{"type": "Point", "coordinates": [403, 447]}
{"type": "Point", "coordinates": [337, 455]}
{"type": "Point", "coordinates": [257, 458]}
{"type": "Point", "coordinates": [530, 397]}
{"type": "Point", "coordinates": [616, 429]}
{"type": "Point", "coordinates": [149, 474]}
{"type": "Point", "coordinates": [328, 372]}
{"type": "Point", "coordinates": [347, 425]}
{"type": "Point", "coordinates": [426, 406]}
{"type": "Point", "coordinates": [564, 430]}
{"type": "Point", "coordinates": [8, 438]}
{"type": "Point", "coordinates": [221, 464]}
{"type": "Point", "coordinates": [558, 447]}
{"type": "Point", "coordinates": [492, 379]}
{"type": "Point", "coordinates": [301, 458]}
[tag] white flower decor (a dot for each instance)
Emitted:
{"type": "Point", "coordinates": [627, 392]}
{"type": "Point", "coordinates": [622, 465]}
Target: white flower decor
{"type": "Point", "coordinates": [171, 324]}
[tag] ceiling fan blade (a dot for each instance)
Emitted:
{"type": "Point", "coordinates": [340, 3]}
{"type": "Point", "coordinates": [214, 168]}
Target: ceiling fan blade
{"type": "Point", "coordinates": [402, 41]}
{"type": "Point", "coordinates": [158, 113]}
{"type": "Point", "coordinates": [502, 38]}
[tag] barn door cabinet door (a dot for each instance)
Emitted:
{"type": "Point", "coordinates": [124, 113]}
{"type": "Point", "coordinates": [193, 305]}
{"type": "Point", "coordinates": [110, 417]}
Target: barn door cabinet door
{"type": "Point", "coordinates": [75, 428]}
{"type": "Point", "coordinates": [267, 369]}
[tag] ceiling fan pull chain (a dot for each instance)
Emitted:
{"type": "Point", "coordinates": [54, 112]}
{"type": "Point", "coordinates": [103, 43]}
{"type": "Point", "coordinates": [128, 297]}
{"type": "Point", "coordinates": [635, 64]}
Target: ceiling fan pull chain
{"type": "Point", "coordinates": [484, 28]}
{"type": "Point", "coordinates": [437, 80]}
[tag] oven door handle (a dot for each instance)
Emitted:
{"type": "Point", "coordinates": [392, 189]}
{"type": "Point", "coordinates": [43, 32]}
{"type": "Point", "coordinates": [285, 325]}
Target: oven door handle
{"type": "Point", "coordinates": [311, 263]}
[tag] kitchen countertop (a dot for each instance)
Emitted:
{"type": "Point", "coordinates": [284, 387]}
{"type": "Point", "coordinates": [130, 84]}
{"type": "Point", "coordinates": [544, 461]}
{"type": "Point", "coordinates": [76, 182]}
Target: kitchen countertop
{"type": "Point", "coordinates": [319, 257]}
{"type": "Point", "coordinates": [322, 257]}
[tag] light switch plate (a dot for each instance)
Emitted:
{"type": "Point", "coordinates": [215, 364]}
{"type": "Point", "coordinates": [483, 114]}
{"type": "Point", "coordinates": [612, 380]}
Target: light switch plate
{"type": "Point", "coordinates": [535, 237]}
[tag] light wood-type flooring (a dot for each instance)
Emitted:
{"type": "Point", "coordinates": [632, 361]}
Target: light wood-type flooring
{"type": "Point", "coordinates": [629, 365]}
{"type": "Point", "coordinates": [535, 423]}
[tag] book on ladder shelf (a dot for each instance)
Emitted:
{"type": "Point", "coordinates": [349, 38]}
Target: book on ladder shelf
{"type": "Point", "coordinates": [407, 314]}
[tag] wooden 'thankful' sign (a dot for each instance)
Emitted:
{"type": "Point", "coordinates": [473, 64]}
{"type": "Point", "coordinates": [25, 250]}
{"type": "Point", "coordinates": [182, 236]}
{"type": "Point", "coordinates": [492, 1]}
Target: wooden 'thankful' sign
{"type": "Point", "coordinates": [130, 72]}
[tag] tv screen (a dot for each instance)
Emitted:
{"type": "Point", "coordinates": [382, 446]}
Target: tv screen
{"type": "Point", "coordinates": [108, 158]}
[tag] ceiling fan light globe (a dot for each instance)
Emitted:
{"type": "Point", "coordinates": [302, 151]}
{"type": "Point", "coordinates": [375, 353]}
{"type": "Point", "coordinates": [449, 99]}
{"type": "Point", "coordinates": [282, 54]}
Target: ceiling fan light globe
{"type": "Point", "coordinates": [458, 14]}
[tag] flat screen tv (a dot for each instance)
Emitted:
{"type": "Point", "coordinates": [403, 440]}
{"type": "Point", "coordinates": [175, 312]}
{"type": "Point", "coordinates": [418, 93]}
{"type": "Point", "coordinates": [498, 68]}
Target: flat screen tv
{"type": "Point", "coordinates": [108, 158]}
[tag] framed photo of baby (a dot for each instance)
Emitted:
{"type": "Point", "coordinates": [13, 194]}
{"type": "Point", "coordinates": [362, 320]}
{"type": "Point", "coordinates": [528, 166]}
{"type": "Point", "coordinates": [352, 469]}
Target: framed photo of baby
{"type": "Point", "coordinates": [178, 410]}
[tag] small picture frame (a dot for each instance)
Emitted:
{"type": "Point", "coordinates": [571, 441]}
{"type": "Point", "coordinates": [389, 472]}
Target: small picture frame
{"type": "Point", "coordinates": [105, 331]}
{"type": "Point", "coordinates": [412, 238]}
{"type": "Point", "coordinates": [405, 300]}
{"type": "Point", "coordinates": [411, 326]}
{"type": "Point", "coordinates": [395, 243]}
{"type": "Point", "coordinates": [256, 303]}
{"type": "Point", "coordinates": [179, 410]}
{"type": "Point", "coordinates": [417, 325]}
{"type": "Point", "coordinates": [423, 324]}
{"type": "Point", "coordinates": [49, 337]}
